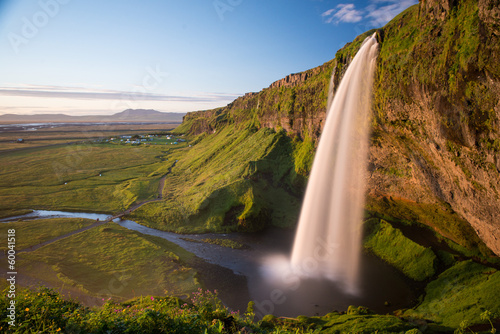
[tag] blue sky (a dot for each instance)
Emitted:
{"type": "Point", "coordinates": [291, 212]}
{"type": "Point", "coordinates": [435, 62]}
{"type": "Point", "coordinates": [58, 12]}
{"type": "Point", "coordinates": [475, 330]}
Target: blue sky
{"type": "Point", "coordinates": [100, 57]}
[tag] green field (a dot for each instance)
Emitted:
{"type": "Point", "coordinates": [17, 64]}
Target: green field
{"type": "Point", "coordinates": [85, 177]}
{"type": "Point", "coordinates": [32, 233]}
{"type": "Point", "coordinates": [110, 261]}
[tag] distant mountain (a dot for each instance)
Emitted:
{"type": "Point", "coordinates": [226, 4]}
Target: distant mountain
{"type": "Point", "coordinates": [129, 115]}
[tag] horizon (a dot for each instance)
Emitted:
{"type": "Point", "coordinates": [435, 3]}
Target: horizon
{"type": "Point", "coordinates": [85, 115]}
{"type": "Point", "coordinates": [92, 58]}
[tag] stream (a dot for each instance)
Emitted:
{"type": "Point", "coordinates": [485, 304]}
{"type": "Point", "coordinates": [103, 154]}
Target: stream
{"type": "Point", "coordinates": [270, 283]}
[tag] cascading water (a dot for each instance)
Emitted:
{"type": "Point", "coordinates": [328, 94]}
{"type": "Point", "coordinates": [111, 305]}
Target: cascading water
{"type": "Point", "coordinates": [328, 239]}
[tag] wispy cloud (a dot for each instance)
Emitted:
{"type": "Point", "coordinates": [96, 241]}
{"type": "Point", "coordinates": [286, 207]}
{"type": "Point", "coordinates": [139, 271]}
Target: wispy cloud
{"type": "Point", "coordinates": [382, 14]}
{"type": "Point", "coordinates": [343, 13]}
{"type": "Point", "coordinates": [73, 100]}
{"type": "Point", "coordinates": [378, 12]}
{"type": "Point", "coordinates": [41, 91]}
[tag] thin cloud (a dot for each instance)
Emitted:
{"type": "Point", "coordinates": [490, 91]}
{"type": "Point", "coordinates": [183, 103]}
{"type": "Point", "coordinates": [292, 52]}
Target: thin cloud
{"type": "Point", "coordinates": [343, 13]}
{"type": "Point", "coordinates": [382, 15]}
{"type": "Point", "coordinates": [379, 12]}
{"type": "Point", "coordinates": [94, 94]}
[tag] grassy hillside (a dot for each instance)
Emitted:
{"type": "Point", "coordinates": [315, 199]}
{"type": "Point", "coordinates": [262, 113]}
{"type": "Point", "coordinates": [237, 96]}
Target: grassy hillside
{"type": "Point", "coordinates": [239, 178]}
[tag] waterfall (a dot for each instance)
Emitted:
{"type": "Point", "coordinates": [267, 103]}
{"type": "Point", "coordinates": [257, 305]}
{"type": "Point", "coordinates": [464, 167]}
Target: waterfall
{"type": "Point", "coordinates": [328, 239]}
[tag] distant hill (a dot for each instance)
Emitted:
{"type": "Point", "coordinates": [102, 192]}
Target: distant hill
{"type": "Point", "coordinates": [129, 115]}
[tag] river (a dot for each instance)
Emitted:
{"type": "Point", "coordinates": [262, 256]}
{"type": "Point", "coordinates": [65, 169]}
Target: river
{"type": "Point", "coordinates": [269, 282]}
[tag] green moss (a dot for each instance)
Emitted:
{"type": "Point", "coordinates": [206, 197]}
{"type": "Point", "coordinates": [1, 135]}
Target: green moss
{"type": "Point", "coordinates": [365, 324]}
{"type": "Point", "coordinates": [440, 217]}
{"type": "Point", "coordinates": [304, 156]}
{"type": "Point", "coordinates": [388, 243]}
{"type": "Point", "coordinates": [459, 294]}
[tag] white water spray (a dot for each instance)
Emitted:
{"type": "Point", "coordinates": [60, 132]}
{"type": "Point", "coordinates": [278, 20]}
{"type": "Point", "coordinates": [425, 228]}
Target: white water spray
{"type": "Point", "coordinates": [328, 239]}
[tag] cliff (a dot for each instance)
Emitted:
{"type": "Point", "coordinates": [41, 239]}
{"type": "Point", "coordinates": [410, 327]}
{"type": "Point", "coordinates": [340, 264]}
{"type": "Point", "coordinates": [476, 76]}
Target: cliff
{"type": "Point", "coordinates": [435, 147]}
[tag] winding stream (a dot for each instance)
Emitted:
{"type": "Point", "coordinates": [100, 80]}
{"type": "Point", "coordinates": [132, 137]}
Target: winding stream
{"type": "Point", "coordinates": [270, 282]}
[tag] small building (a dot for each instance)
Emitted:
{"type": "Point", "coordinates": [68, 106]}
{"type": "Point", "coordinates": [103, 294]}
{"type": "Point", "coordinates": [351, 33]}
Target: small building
{"type": "Point", "coordinates": [20, 140]}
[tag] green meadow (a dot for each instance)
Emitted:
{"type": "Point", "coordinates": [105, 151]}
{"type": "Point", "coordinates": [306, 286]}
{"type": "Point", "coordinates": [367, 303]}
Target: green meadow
{"type": "Point", "coordinates": [93, 177]}
{"type": "Point", "coordinates": [32, 233]}
{"type": "Point", "coordinates": [110, 261]}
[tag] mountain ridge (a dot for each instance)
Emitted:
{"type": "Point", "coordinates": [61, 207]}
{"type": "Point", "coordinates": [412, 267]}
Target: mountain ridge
{"type": "Point", "coordinates": [129, 115]}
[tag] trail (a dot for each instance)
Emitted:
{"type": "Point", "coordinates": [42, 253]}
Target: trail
{"type": "Point", "coordinates": [102, 222]}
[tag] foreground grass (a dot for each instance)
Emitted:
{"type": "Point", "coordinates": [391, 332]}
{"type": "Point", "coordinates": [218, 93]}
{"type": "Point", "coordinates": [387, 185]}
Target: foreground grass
{"type": "Point", "coordinates": [32, 233]}
{"type": "Point", "coordinates": [44, 311]}
{"type": "Point", "coordinates": [112, 261]}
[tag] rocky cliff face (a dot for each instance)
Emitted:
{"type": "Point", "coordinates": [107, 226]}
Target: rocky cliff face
{"type": "Point", "coordinates": [438, 113]}
{"type": "Point", "coordinates": [435, 152]}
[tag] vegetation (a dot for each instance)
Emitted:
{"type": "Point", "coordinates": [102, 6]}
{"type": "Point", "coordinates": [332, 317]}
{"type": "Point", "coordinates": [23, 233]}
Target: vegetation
{"type": "Point", "coordinates": [112, 261]}
{"type": "Point", "coordinates": [245, 167]}
{"type": "Point", "coordinates": [32, 233]}
{"type": "Point", "coordinates": [44, 311]}
{"type": "Point", "coordinates": [85, 177]}
{"type": "Point", "coordinates": [460, 295]}
{"type": "Point", "coordinates": [225, 243]}
{"type": "Point", "coordinates": [388, 243]}
{"type": "Point", "coordinates": [236, 179]}
{"type": "Point", "coordinates": [447, 223]}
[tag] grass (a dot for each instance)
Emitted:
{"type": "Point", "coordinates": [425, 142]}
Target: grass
{"type": "Point", "coordinates": [235, 179]}
{"type": "Point", "coordinates": [225, 243]}
{"type": "Point", "coordinates": [91, 177]}
{"type": "Point", "coordinates": [44, 311]}
{"type": "Point", "coordinates": [220, 242]}
{"type": "Point", "coordinates": [32, 233]}
{"type": "Point", "coordinates": [13, 212]}
{"type": "Point", "coordinates": [112, 261]}
{"type": "Point", "coordinates": [389, 243]}
{"type": "Point", "coordinates": [461, 294]}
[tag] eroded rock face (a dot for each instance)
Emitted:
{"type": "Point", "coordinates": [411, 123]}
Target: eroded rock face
{"type": "Point", "coordinates": [418, 163]}
{"type": "Point", "coordinates": [437, 9]}
{"type": "Point", "coordinates": [489, 13]}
